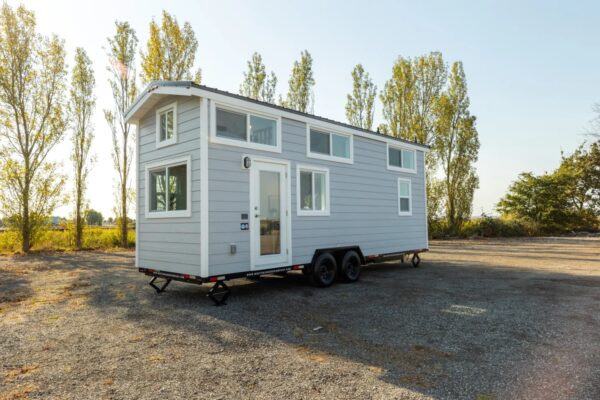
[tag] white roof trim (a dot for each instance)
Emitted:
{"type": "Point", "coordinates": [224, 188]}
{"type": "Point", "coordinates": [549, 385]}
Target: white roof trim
{"type": "Point", "coordinates": [222, 98]}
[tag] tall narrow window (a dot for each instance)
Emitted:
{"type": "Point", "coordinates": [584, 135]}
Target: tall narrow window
{"type": "Point", "coordinates": [313, 191]}
{"type": "Point", "coordinates": [404, 197]}
{"type": "Point", "coordinates": [166, 125]}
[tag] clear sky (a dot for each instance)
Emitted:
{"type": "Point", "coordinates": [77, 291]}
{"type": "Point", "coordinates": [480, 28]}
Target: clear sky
{"type": "Point", "coordinates": [532, 67]}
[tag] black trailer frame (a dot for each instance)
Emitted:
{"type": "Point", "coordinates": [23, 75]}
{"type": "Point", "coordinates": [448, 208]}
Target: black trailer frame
{"type": "Point", "coordinates": [219, 292]}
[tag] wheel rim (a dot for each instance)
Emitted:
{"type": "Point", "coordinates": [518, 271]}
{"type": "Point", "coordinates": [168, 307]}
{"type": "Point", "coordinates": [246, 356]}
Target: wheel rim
{"type": "Point", "coordinates": [352, 268]}
{"type": "Point", "coordinates": [325, 272]}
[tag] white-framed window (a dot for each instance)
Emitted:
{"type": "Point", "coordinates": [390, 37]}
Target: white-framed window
{"type": "Point", "coordinates": [401, 159]}
{"type": "Point", "coordinates": [312, 190]}
{"type": "Point", "coordinates": [244, 128]}
{"type": "Point", "coordinates": [168, 188]}
{"type": "Point", "coordinates": [404, 197]}
{"type": "Point", "coordinates": [327, 145]}
{"type": "Point", "coordinates": [166, 125]}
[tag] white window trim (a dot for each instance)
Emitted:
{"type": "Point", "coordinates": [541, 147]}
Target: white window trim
{"type": "Point", "coordinates": [399, 169]}
{"type": "Point", "coordinates": [312, 213]}
{"type": "Point", "coordinates": [165, 164]}
{"type": "Point", "coordinates": [320, 156]}
{"type": "Point", "coordinates": [173, 140]}
{"type": "Point", "coordinates": [405, 213]}
{"type": "Point", "coordinates": [247, 144]}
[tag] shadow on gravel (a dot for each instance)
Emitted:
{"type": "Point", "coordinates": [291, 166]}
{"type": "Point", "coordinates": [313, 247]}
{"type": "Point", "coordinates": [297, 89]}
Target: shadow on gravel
{"type": "Point", "coordinates": [449, 329]}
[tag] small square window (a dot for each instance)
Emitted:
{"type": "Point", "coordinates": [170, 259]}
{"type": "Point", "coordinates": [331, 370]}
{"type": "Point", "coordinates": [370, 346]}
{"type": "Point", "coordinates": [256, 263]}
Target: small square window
{"type": "Point", "coordinates": [313, 191]}
{"type": "Point", "coordinates": [231, 125]}
{"type": "Point", "coordinates": [319, 142]}
{"type": "Point", "coordinates": [168, 192]}
{"type": "Point", "coordinates": [401, 159]}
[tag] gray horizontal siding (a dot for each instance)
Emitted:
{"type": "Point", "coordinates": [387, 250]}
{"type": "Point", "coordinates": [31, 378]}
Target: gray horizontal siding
{"type": "Point", "coordinates": [170, 244]}
{"type": "Point", "coordinates": [364, 203]}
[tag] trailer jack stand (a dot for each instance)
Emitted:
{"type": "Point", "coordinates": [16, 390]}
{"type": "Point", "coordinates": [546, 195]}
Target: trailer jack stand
{"type": "Point", "coordinates": [161, 288]}
{"type": "Point", "coordinates": [416, 260]}
{"type": "Point", "coordinates": [219, 293]}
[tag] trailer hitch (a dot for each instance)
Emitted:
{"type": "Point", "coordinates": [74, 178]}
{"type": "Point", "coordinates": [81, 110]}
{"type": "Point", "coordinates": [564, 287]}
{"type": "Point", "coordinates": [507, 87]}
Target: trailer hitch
{"type": "Point", "coordinates": [219, 293]}
{"type": "Point", "coordinates": [161, 288]}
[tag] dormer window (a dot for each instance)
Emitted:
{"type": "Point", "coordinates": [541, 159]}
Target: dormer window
{"type": "Point", "coordinates": [166, 125]}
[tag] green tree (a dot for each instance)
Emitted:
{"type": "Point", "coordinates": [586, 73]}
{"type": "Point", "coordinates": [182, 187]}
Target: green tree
{"type": "Point", "coordinates": [170, 52]}
{"type": "Point", "coordinates": [81, 108]}
{"type": "Point", "coordinates": [121, 53]}
{"type": "Point", "coordinates": [582, 174]}
{"type": "Point", "coordinates": [540, 199]}
{"type": "Point", "coordinates": [456, 144]}
{"type": "Point", "coordinates": [257, 84]}
{"type": "Point", "coordinates": [93, 217]}
{"type": "Point", "coordinates": [300, 93]}
{"type": "Point", "coordinates": [32, 103]}
{"type": "Point", "coordinates": [360, 103]}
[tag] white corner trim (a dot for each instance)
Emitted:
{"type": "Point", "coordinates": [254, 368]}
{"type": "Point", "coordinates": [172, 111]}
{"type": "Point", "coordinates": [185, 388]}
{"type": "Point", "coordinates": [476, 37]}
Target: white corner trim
{"type": "Point", "coordinates": [426, 210]}
{"type": "Point", "coordinates": [312, 213]}
{"type": "Point", "coordinates": [400, 169]}
{"type": "Point", "coordinates": [405, 213]}
{"type": "Point", "coordinates": [247, 144]}
{"type": "Point", "coordinates": [137, 193]}
{"type": "Point", "coordinates": [164, 164]}
{"type": "Point", "coordinates": [331, 132]}
{"type": "Point", "coordinates": [173, 140]}
{"type": "Point", "coordinates": [204, 226]}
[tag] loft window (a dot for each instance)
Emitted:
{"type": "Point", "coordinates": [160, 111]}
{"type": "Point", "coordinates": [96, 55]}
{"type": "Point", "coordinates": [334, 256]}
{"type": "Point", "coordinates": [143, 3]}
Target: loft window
{"type": "Point", "coordinates": [329, 145]}
{"type": "Point", "coordinates": [401, 159]}
{"type": "Point", "coordinates": [166, 125]}
{"type": "Point", "coordinates": [245, 129]}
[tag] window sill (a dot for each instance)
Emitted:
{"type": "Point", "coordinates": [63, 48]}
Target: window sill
{"type": "Point", "coordinates": [245, 144]}
{"type": "Point", "coordinates": [405, 214]}
{"type": "Point", "coordinates": [306, 213]}
{"type": "Point", "coordinates": [398, 169]}
{"type": "Point", "coordinates": [329, 158]}
{"type": "Point", "coordinates": [165, 143]}
{"type": "Point", "coordinates": [169, 214]}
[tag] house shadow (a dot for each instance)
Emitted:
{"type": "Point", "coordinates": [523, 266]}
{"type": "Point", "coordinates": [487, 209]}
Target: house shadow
{"type": "Point", "coordinates": [444, 329]}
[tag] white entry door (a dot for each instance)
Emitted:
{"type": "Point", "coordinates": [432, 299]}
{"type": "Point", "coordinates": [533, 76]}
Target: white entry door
{"type": "Point", "coordinates": [269, 215]}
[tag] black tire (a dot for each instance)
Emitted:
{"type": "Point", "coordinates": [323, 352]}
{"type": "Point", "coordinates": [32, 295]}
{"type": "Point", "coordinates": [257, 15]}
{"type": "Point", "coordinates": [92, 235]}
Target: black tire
{"type": "Point", "coordinates": [350, 267]}
{"type": "Point", "coordinates": [323, 271]}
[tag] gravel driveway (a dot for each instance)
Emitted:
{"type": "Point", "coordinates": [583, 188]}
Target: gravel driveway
{"type": "Point", "coordinates": [483, 320]}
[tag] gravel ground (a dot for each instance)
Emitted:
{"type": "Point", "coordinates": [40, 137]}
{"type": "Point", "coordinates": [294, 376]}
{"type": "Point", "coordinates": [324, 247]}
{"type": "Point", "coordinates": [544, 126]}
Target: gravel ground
{"type": "Point", "coordinates": [497, 319]}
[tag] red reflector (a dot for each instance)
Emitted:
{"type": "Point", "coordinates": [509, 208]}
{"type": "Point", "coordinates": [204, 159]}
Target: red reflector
{"type": "Point", "coordinates": [186, 276]}
{"type": "Point", "coordinates": [151, 270]}
{"type": "Point", "coordinates": [296, 267]}
{"type": "Point", "coordinates": [214, 279]}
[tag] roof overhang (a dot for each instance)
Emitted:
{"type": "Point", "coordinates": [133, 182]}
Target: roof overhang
{"type": "Point", "coordinates": [151, 96]}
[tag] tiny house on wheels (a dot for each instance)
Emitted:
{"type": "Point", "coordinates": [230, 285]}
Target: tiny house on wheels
{"type": "Point", "coordinates": [231, 187]}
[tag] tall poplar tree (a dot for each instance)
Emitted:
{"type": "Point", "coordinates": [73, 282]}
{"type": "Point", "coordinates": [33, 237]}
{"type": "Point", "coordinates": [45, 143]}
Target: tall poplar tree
{"type": "Point", "coordinates": [300, 93]}
{"type": "Point", "coordinates": [360, 103]}
{"type": "Point", "coordinates": [121, 54]}
{"type": "Point", "coordinates": [257, 84]}
{"type": "Point", "coordinates": [81, 108]}
{"type": "Point", "coordinates": [456, 144]}
{"type": "Point", "coordinates": [32, 102]}
{"type": "Point", "coordinates": [170, 52]}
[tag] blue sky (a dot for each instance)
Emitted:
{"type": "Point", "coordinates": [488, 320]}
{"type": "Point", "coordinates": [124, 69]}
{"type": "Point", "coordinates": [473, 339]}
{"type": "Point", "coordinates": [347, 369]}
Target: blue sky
{"type": "Point", "coordinates": [532, 67]}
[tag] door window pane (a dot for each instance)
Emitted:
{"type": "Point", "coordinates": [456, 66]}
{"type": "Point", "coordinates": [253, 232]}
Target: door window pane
{"type": "Point", "coordinates": [157, 190]}
{"type": "Point", "coordinates": [319, 142]}
{"type": "Point", "coordinates": [395, 157]}
{"type": "Point", "coordinates": [341, 146]}
{"type": "Point", "coordinates": [270, 213]}
{"type": "Point", "coordinates": [319, 191]}
{"type": "Point", "coordinates": [178, 188]}
{"type": "Point", "coordinates": [306, 202]}
{"type": "Point", "coordinates": [231, 125]}
{"type": "Point", "coordinates": [263, 130]}
{"type": "Point", "coordinates": [408, 159]}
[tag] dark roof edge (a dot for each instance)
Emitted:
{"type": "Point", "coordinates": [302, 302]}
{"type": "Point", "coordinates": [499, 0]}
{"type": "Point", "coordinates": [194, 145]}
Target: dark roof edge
{"type": "Point", "coordinates": [188, 84]}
